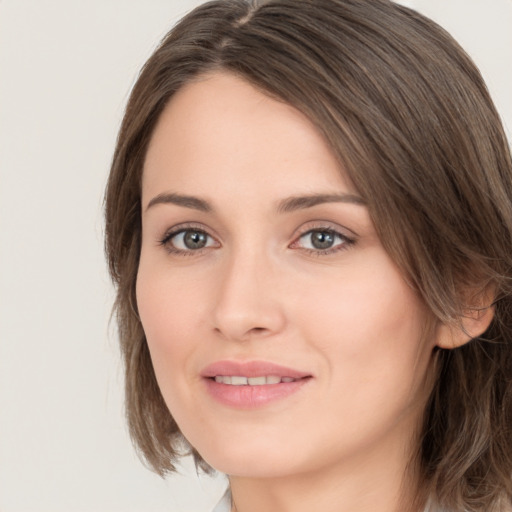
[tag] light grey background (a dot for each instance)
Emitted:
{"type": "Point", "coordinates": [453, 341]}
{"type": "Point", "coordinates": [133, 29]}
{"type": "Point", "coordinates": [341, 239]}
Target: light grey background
{"type": "Point", "coordinates": [66, 67]}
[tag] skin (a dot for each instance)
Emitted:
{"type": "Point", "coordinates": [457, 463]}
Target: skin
{"type": "Point", "coordinates": [260, 290]}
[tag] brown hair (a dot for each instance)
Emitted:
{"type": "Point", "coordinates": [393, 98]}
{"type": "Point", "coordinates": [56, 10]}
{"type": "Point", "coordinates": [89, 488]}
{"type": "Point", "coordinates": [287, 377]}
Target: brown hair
{"type": "Point", "coordinates": [410, 119]}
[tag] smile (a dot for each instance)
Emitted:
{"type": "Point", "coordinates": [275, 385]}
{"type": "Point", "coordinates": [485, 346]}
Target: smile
{"type": "Point", "coordinates": [252, 384]}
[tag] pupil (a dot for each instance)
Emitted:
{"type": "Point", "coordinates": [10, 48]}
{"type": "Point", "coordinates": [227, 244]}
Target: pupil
{"type": "Point", "coordinates": [194, 240]}
{"type": "Point", "coordinates": [322, 240]}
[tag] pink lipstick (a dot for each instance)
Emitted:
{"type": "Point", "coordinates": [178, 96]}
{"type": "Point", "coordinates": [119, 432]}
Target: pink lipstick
{"type": "Point", "coordinates": [251, 384]}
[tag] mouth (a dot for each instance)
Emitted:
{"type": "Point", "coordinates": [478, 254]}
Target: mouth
{"type": "Point", "coordinates": [253, 384]}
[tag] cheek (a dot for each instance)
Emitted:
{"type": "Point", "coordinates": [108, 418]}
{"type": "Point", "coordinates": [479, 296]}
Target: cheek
{"type": "Point", "coordinates": [368, 330]}
{"type": "Point", "coordinates": [169, 300]}
{"type": "Point", "coordinates": [168, 311]}
{"type": "Point", "coordinates": [368, 323]}
{"type": "Point", "coordinates": [371, 295]}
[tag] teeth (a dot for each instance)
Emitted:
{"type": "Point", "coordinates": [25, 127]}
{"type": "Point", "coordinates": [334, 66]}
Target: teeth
{"type": "Point", "coordinates": [236, 380]}
{"type": "Point", "coordinates": [257, 381]}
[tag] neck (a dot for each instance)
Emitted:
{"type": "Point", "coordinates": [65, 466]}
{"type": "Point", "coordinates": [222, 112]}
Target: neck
{"type": "Point", "coordinates": [384, 482]}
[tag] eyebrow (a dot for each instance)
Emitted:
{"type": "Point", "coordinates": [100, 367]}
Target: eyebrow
{"type": "Point", "coordinates": [181, 200]}
{"type": "Point", "coordinates": [287, 205]}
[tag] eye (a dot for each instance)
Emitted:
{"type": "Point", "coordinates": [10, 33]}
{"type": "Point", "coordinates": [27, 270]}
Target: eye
{"type": "Point", "coordinates": [187, 241]}
{"type": "Point", "coordinates": [322, 241]}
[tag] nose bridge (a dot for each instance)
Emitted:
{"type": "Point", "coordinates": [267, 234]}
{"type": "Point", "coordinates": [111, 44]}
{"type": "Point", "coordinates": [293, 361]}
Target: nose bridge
{"type": "Point", "coordinates": [248, 302]}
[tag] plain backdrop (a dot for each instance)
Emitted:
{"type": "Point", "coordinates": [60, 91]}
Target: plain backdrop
{"type": "Point", "coordinates": [66, 68]}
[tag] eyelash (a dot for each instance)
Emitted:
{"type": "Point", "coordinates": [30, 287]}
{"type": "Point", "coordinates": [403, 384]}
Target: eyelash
{"type": "Point", "coordinates": [165, 241]}
{"type": "Point", "coordinates": [346, 242]}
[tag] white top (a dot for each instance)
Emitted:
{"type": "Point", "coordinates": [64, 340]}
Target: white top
{"type": "Point", "coordinates": [224, 504]}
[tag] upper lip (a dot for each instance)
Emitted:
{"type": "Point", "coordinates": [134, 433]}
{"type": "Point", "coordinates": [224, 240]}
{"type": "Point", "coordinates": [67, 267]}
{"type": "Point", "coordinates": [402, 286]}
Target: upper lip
{"type": "Point", "coordinates": [251, 369]}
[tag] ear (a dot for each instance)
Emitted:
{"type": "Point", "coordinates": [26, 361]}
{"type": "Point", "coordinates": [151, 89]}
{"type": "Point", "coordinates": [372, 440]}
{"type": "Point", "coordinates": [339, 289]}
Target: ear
{"type": "Point", "coordinates": [457, 333]}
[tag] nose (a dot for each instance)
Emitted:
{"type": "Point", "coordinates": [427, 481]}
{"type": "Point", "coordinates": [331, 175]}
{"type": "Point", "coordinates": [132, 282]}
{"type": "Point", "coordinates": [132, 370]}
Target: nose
{"type": "Point", "coordinates": [248, 304]}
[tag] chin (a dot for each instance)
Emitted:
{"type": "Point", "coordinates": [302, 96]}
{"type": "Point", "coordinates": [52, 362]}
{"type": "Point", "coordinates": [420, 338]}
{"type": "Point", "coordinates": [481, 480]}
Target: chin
{"type": "Point", "coordinates": [254, 461]}
{"type": "Point", "coordinates": [246, 468]}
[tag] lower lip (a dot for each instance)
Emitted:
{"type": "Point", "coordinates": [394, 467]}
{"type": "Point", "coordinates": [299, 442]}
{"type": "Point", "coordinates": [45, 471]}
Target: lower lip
{"type": "Point", "coordinates": [248, 397]}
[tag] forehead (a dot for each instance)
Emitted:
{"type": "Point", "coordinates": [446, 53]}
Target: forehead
{"type": "Point", "coordinates": [221, 132]}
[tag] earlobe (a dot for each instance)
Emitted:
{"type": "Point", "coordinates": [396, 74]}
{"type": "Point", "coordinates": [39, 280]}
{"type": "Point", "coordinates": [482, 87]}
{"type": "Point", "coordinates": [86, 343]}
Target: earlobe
{"type": "Point", "coordinates": [461, 331]}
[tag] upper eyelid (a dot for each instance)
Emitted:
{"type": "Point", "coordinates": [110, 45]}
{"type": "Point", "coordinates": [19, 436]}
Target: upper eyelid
{"type": "Point", "coordinates": [345, 238]}
{"type": "Point", "coordinates": [186, 226]}
{"type": "Point", "coordinates": [319, 225]}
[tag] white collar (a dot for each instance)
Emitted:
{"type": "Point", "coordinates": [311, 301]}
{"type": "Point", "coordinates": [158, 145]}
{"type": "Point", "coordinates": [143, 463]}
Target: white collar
{"type": "Point", "coordinates": [224, 504]}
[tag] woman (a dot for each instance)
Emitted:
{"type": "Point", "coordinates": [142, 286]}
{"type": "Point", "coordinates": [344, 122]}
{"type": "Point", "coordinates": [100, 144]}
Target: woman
{"type": "Point", "coordinates": [309, 223]}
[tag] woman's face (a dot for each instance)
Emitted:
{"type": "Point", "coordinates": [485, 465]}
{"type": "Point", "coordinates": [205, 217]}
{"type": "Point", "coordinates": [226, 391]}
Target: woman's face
{"type": "Point", "coordinates": [283, 337]}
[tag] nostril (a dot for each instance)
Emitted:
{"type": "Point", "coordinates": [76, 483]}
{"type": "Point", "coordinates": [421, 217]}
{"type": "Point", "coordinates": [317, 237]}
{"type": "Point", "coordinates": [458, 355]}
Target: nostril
{"type": "Point", "coordinates": [258, 330]}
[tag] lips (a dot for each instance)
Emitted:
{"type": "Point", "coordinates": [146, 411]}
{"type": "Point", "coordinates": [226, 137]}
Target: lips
{"type": "Point", "coordinates": [252, 384]}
